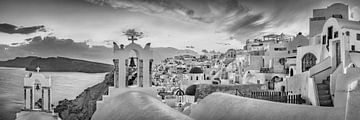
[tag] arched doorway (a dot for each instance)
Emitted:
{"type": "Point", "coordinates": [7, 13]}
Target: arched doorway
{"type": "Point", "coordinates": [308, 61]}
{"type": "Point", "coordinates": [291, 72]}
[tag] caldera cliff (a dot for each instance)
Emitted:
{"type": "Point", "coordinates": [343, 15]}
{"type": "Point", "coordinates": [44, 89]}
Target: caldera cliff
{"type": "Point", "coordinates": [84, 105]}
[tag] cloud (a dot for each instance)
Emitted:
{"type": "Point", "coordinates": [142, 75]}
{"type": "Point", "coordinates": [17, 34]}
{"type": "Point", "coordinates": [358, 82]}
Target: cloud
{"type": "Point", "coordinates": [12, 29]}
{"type": "Point", "coordinates": [154, 7]}
{"type": "Point", "coordinates": [227, 15]}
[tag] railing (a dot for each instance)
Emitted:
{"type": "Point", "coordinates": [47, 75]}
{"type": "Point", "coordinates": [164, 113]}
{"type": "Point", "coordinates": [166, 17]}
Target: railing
{"type": "Point", "coordinates": [275, 96]}
{"type": "Point", "coordinates": [265, 70]}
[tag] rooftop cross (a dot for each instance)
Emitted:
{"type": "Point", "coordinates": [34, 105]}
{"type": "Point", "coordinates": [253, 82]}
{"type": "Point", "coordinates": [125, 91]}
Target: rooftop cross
{"type": "Point", "coordinates": [132, 38]}
{"type": "Point", "coordinates": [38, 69]}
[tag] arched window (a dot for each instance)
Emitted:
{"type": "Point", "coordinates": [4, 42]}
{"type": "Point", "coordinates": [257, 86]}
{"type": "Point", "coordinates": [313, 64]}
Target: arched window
{"type": "Point", "coordinates": [197, 77]}
{"type": "Point", "coordinates": [308, 61]}
{"type": "Point", "coordinates": [291, 72]}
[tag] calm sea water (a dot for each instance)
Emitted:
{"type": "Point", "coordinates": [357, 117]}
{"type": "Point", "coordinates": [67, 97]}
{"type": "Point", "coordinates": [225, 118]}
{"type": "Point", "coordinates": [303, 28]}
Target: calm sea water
{"type": "Point", "coordinates": [64, 85]}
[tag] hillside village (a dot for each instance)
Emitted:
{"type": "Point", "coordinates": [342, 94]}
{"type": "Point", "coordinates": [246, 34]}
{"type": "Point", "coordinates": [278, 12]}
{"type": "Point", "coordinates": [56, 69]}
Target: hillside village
{"type": "Point", "coordinates": [276, 77]}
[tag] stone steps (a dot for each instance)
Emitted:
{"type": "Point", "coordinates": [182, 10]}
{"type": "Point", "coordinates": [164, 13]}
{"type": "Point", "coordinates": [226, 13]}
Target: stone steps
{"type": "Point", "coordinates": [326, 103]}
{"type": "Point", "coordinates": [104, 99]}
{"type": "Point", "coordinates": [324, 93]}
{"type": "Point", "coordinates": [322, 86]}
{"type": "Point", "coordinates": [324, 97]}
{"type": "Point", "coordinates": [327, 82]}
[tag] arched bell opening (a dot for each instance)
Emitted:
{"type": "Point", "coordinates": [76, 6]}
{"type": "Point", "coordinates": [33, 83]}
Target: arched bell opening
{"type": "Point", "coordinates": [133, 63]}
{"type": "Point", "coordinates": [38, 95]}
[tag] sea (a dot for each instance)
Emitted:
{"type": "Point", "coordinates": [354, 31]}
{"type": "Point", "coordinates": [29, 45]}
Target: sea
{"type": "Point", "coordinates": [65, 85]}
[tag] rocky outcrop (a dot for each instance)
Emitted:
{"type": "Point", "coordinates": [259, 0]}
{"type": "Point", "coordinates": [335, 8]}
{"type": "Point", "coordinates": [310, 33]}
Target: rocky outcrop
{"type": "Point", "coordinates": [84, 106]}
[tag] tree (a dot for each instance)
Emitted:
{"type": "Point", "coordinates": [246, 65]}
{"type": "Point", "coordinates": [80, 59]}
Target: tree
{"type": "Point", "coordinates": [204, 51]}
{"type": "Point", "coordinates": [282, 61]}
{"type": "Point", "coordinates": [132, 34]}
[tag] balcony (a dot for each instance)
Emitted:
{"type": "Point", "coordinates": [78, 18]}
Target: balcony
{"type": "Point", "coordinates": [265, 70]}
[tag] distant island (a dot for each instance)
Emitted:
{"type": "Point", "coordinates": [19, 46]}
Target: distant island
{"type": "Point", "coordinates": [57, 64]}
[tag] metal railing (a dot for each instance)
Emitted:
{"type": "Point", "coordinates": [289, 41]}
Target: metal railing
{"type": "Point", "coordinates": [275, 96]}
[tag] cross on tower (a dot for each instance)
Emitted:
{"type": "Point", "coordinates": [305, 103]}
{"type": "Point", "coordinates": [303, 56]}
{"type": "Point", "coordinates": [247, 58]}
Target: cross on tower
{"type": "Point", "coordinates": [132, 38]}
{"type": "Point", "coordinates": [38, 69]}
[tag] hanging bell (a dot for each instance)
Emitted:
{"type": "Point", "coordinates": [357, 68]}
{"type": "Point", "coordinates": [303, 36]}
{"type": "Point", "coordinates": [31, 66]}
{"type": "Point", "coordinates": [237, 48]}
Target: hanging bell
{"type": "Point", "coordinates": [132, 62]}
{"type": "Point", "coordinates": [37, 87]}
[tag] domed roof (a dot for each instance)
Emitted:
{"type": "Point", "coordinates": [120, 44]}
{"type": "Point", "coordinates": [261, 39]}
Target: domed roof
{"type": "Point", "coordinates": [196, 70]}
{"type": "Point", "coordinates": [191, 90]}
{"type": "Point", "coordinates": [134, 102]}
{"type": "Point", "coordinates": [179, 92]}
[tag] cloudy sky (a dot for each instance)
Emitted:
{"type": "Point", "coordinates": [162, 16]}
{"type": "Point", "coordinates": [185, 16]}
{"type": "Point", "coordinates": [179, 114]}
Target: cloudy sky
{"type": "Point", "coordinates": [204, 24]}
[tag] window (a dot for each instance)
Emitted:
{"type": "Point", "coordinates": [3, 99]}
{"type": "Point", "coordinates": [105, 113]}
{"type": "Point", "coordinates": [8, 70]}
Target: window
{"type": "Point", "coordinates": [347, 33]}
{"type": "Point", "coordinates": [191, 78]}
{"type": "Point", "coordinates": [280, 49]}
{"type": "Point", "coordinates": [330, 32]}
{"type": "Point", "coordinates": [353, 47]}
{"type": "Point", "coordinates": [337, 16]}
{"type": "Point", "coordinates": [336, 34]}
{"type": "Point", "coordinates": [324, 40]}
{"type": "Point", "coordinates": [294, 51]}
{"type": "Point", "coordinates": [197, 77]}
{"type": "Point", "coordinates": [308, 61]}
{"type": "Point", "coordinates": [357, 36]}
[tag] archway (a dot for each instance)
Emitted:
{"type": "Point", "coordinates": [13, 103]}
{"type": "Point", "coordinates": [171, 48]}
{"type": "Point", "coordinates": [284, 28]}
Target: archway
{"type": "Point", "coordinates": [133, 63]}
{"type": "Point", "coordinates": [38, 100]}
{"type": "Point", "coordinates": [308, 61]}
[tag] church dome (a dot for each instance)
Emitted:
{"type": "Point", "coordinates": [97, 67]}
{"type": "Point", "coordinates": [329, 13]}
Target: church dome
{"type": "Point", "coordinates": [191, 90]}
{"type": "Point", "coordinates": [196, 70]}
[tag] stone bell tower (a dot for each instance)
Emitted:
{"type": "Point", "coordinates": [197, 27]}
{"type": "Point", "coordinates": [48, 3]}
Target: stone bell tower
{"type": "Point", "coordinates": [37, 92]}
{"type": "Point", "coordinates": [135, 67]}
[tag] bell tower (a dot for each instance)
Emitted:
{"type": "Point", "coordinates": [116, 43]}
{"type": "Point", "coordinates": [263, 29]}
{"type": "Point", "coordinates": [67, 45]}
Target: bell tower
{"type": "Point", "coordinates": [37, 92]}
{"type": "Point", "coordinates": [133, 65]}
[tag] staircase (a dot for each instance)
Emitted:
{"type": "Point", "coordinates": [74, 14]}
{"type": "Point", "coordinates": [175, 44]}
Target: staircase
{"type": "Point", "coordinates": [324, 93]}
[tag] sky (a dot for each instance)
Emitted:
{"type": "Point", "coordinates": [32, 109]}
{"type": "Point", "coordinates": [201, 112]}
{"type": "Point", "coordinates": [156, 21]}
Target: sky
{"type": "Point", "coordinates": [203, 24]}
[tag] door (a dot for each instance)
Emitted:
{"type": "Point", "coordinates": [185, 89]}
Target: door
{"type": "Point", "coordinates": [141, 67]}
{"type": "Point", "coordinates": [337, 54]}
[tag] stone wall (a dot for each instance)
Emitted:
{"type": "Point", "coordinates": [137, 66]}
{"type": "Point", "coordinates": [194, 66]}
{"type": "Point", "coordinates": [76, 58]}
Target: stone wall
{"type": "Point", "coordinates": [202, 90]}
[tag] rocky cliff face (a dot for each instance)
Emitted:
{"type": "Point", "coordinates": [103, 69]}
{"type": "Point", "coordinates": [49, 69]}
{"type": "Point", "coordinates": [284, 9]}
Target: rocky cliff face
{"type": "Point", "coordinates": [84, 106]}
